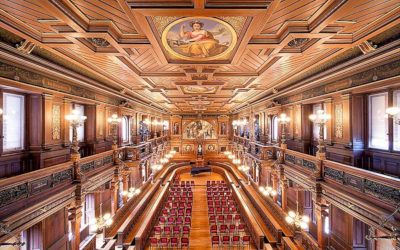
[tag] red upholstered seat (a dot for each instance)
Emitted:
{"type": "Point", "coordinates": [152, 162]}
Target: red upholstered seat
{"type": "Point", "coordinates": [153, 242]}
{"type": "Point", "coordinates": [176, 230]}
{"type": "Point", "coordinates": [163, 242]}
{"type": "Point", "coordinates": [185, 230]}
{"type": "Point", "coordinates": [213, 229]}
{"type": "Point", "coordinates": [232, 228]}
{"type": "Point", "coordinates": [174, 242]}
{"type": "Point", "coordinates": [185, 242]}
{"type": "Point", "coordinates": [241, 228]}
{"type": "Point", "coordinates": [215, 240]}
{"type": "Point", "coordinates": [226, 240]}
{"type": "Point", "coordinates": [223, 228]}
{"type": "Point", "coordinates": [167, 231]}
{"type": "Point", "coordinates": [235, 240]}
{"type": "Point", "coordinates": [246, 240]}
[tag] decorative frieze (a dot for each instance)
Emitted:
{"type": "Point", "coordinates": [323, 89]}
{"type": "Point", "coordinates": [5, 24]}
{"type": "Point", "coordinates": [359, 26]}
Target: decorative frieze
{"type": "Point", "coordinates": [363, 185]}
{"type": "Point", "coordinates": [381, 72]}
{"type": "Point", "coordinates": [300, 162]}
{"type": "Point", "coordinates": [39, 80]}
{"type": "Point", "coordinates": [22, 191]}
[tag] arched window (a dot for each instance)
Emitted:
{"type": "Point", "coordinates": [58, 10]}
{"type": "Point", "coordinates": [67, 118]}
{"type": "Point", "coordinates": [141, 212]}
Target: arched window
{"type": "Point", "coordinates": [275, 126]}
{"type": "Point", "coordinates": [125, 129]}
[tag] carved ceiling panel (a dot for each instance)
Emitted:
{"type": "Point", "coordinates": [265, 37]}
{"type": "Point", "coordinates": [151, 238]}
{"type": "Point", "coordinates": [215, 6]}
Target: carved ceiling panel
{"type": "Point", "coordinates": [191, 56]}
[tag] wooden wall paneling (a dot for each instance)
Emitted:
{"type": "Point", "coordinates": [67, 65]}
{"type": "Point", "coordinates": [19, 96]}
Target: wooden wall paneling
{"type": "Point", "coordinates": [47, 120]}
{"type": "Point", "coordinates": [55, 231]}
{"type": "Point", "coordinates": [90, 128]}
{"type": "Point", "coordinates": [34, 130]}
{"type": "Point", "coordinates": [358, 126]}
{"type": "Point", "coordinates": [360, 230]}
{"type": "Point", "coordinates": [341, 229]}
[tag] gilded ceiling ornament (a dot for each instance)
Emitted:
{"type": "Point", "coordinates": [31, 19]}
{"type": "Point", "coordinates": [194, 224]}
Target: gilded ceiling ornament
{"type": "Point", "coordinates": [99, 42]}
{"type": "Point", "coordinates": [298, 42]}
{"type": "Point", "coordinates": [237, 22]}
{"type": "Point", "coordinates": [160, 22]}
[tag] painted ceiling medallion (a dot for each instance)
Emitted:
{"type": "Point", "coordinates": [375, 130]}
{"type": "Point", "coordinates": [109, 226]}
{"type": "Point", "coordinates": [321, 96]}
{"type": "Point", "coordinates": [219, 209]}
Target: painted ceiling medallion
{"type": "Point", "coordinates": [199, 89]}
{"type": "Point", "coordinates": [199, 39]}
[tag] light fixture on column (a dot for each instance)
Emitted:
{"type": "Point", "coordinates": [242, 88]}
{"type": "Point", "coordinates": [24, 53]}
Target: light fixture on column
{"type": "Point", "coordinates": [299, 221]}
{"type": "Point", "coordinates": [268, 191]}
{"type": "Point", "coordinates": [103, 222]}
{"type": "Point", "coordinates": [114, 120]}
{"type": "Point", "coordinates": [320, 119]}
{"type": "Point", "coordinates": [236, 161]}
{"type": "Point", "coordinates": [131, 192]}
{"type": "Point", "coordinates": [76, 120]}
{"type": "Point", "coordinates": [392, 113]}
{"type": "Point", "coordinates": [284, 120]}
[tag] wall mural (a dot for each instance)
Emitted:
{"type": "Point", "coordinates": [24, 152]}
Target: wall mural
{"type": "Point", "coordinates": [199, 130]}
{"type": "Point", "coordinates": [199, 38]}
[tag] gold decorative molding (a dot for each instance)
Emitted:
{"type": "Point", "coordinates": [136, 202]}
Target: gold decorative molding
{"type": "Point", "coordinates": [56, 120]}
{"type": "Point", "coordinates": [339, 120]}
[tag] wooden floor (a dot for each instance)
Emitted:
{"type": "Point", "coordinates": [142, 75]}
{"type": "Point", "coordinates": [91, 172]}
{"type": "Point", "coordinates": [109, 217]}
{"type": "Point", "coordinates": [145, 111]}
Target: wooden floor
{"type": "Point", "coordinates": [200, 237]}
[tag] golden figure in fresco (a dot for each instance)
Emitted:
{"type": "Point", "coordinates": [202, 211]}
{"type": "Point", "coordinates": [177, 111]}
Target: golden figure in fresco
{"type": "Point", "coordinates": [200, 42]}
{"type": "Point", "coordinates": [200, 38]}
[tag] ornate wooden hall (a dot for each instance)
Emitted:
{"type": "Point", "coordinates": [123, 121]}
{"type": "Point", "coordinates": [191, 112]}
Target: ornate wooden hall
{"type": "Point", "coordinates": [200, 124]}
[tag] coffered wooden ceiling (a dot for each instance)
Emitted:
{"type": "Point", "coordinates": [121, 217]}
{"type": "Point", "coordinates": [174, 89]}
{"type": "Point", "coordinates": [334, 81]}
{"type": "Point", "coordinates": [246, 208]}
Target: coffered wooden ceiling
{"type": "Point", "coordinates": [119, 44]}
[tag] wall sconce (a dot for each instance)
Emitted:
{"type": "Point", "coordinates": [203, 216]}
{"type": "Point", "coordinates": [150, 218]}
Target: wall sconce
{"type": "Point", "coordinates": [268, 191]}
{"type": "Point", "coordinates": [114, 120]}
{"type": "Point", "coordinates": [392, 113]}
{"type": "Point", "coordinates": [76, 120]}
{"type": "Point", "coordinates": [283, 119]}
{"type": "Point", "coordinates": [131, 192]}
{"type": "Point", "coordinates": [299, 221]}
{"type": "Point", "coordinates": [320, 119]}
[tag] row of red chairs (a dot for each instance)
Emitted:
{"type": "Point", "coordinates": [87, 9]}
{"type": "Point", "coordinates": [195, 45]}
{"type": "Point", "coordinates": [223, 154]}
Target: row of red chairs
{"type": "Point", "coordinates": [174, 230]}
{"type": "Point", "coordinates": [180, 199]}
{"type": "Point", "coordinates": [178, 205]}
{"type": "Point", "coordinates": [220, 219]}
{"type": "Point", "coordinates": [227, 240]}
{"type": "Point", "coordinates": [217, 203]}
{"type": "Point", "coordinates": [181, 194]}
{"type": "Point", "coordinates": [222, 210]}
{"type": "Point", "coordinates": [180, 189]}
{"type": "Point", "coordinates": [176, 212]}
{"type": "Point", "coordinates": [219, 193]}
{"type": "Point", "coordinates": [169, 242]}
{"type": "Point", "coordinates": [227, 229]}
{"type": "Point", "coordinates": [220, 198]}
{"type": "Point", "coordinates": [184, 183]}
{"type": "Point", "coordinates": [212, 183]}
{"type": "Point", "coordinates": [175, 220]}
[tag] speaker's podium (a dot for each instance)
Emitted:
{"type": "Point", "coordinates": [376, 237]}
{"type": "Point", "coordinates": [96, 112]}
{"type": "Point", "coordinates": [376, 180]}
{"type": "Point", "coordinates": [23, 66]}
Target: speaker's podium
{"type": "Point", "coordinates": [198, 166]}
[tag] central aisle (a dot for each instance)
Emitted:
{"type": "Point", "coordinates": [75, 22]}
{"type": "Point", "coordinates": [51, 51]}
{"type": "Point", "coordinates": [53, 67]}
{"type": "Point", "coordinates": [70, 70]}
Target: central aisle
{"type": "Point", "coordinates": [200, 237]}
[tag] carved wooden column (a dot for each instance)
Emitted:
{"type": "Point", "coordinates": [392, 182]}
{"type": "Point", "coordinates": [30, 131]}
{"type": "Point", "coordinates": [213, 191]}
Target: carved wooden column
{"type": "Point", "coordinates": [75, 218]}
{"type": "Point", "coordinates": [284, 190]}
{"type": "Point", "coordinates": [114, 196]}
{"type": "Point", "coordinates": [125, 187]}
{"type": "Point", "coordinates": [320, 215]}
{"type": "Point", "coordinates": [275, 183]}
